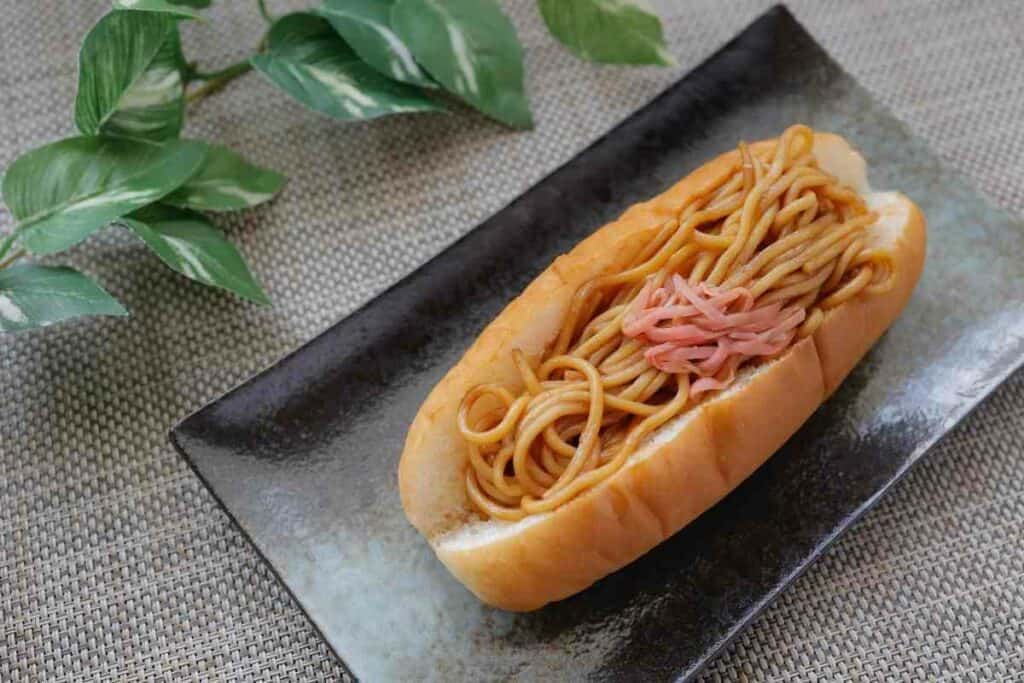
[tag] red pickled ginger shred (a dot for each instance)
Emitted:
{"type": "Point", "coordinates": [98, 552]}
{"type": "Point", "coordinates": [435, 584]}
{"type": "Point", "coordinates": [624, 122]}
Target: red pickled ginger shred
{"type": "Point", "coordinates": [707, 331]}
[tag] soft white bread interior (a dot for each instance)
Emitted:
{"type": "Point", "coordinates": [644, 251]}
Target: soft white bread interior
{"type": "Point", "coordinates": [682, 469]}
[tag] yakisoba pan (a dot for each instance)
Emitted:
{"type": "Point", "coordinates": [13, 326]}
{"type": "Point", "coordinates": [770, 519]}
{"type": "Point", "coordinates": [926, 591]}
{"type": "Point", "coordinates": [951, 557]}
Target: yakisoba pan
{"type": "Point", "coordinates": [647, 372]}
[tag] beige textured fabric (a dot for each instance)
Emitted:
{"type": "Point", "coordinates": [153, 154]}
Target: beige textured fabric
{"type": "Point", "coordinates": [115, 564]}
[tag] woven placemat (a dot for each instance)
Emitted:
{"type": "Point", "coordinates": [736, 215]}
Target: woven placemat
{"type": "Point", "coordinates": [116, 564]}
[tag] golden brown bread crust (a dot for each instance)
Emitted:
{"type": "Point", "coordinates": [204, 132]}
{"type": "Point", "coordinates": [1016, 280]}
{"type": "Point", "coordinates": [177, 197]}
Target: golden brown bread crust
{"type": "Point", "coordinates": [720, 442]}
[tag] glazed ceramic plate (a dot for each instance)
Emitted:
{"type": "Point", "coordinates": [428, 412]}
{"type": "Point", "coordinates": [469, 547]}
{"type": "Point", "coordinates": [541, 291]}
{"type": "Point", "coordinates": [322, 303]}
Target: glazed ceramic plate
{"type": "Point", "coordinates": [304, 456]}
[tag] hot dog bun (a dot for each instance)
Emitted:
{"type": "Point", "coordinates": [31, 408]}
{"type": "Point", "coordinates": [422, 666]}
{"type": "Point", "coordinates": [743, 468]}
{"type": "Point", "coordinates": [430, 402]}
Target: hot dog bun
{"type": "Point", "coordinates": [686, 466]}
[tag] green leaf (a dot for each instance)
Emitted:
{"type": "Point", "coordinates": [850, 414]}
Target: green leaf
{"type": "Point", "coordinates": [366, 26]}
{"type": "Point", "coordinates": [471, 48]}
{"type": "Point", "coordinates": [154, 107]}
{"type": "Point", "coordinates": [129, 80]}
{"type": "Point", "coordinates": [180, 8]}
{"type": "Point", "coordinates": [608, 31]}
{"type": "Point", "coordinates": [63, 192]}
{"type": "Point", "coordinates": [188, 243]}
{"type": "Point", "coordinates": [310, 62]}
{"type": "Point", "coordinates": [36, 296]}
{"type": "Point", "coordinates": [226, 182]}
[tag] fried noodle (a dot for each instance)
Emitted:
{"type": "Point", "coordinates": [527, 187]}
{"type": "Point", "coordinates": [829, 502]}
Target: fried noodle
{"type": "Point", "coordinates": [742, 272]}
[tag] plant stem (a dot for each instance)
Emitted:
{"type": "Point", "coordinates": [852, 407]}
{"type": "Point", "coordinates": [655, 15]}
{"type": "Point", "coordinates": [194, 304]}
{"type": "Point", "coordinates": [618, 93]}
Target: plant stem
{"type": "Point", "coordinates": [6, 243]}
{"type": "Point", "coordinates": [195, 75]}
{"type": "Point", "coordinates": [263, 10]}
{"type": "Point", "coordinates": [217, 80]}
{"type": "Point", "coordinates": [12, 258]}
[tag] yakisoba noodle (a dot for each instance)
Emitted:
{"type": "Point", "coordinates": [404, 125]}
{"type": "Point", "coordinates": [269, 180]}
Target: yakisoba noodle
{"type": "Point", "coordinates": [743, 271]}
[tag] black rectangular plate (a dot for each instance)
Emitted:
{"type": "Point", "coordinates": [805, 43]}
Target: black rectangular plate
{"type": "Point", "coordinates": [304, 456]}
